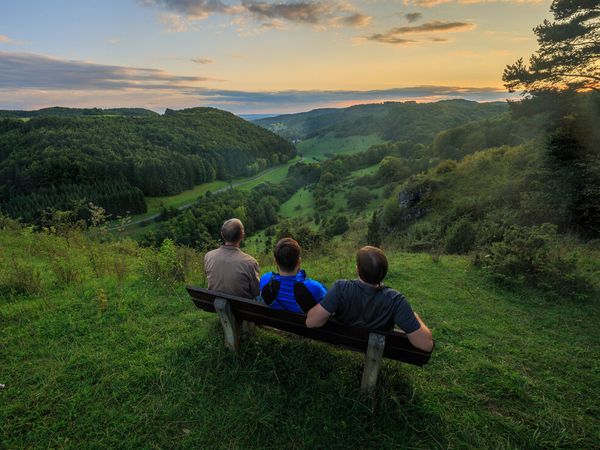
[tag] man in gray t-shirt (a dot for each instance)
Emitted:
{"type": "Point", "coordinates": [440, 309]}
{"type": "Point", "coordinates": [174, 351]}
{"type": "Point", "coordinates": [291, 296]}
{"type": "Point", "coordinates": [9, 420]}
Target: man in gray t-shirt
{"type": "Point", "coordinates": [230, 270]}
{"type": "Point", "coordinates": [366, 303]}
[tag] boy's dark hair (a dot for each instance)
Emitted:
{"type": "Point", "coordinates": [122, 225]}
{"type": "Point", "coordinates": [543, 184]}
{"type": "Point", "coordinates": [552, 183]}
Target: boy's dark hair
{"type": "Point", "coordinates": [372, 264]}
{"type": "Point", "coordinates": [287, 253]}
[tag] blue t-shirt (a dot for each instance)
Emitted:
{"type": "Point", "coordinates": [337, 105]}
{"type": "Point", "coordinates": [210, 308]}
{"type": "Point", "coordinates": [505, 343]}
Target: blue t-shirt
{"type": "Point", "coordinates": [286, 299]}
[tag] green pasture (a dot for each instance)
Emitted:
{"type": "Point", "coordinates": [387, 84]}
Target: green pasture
{"type": "Point", "coordinates": [322, 147]}
{"type": "Point", "coordinates": [100, 352]}
{"type": "Point", "coordinates": [301, 204]}
{"type": "Point", "coordinates": [273, 175]}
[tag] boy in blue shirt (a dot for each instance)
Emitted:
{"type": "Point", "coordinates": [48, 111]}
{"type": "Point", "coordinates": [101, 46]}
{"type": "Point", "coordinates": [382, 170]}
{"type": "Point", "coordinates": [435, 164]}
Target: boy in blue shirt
{"type": "Point", "coordinates": [290, 289]}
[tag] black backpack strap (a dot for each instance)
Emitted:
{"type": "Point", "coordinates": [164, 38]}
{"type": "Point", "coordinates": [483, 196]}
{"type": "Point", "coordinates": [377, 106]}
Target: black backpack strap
{"type": "Point", "coordinates": [270, 290]}
{"type": "Point", "coordinates": [304, 298]}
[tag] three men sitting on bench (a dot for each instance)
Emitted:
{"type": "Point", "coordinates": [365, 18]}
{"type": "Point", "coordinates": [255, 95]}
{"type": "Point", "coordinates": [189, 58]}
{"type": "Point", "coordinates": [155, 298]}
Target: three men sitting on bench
{"type": "Point", "coordinates": [364, 302]}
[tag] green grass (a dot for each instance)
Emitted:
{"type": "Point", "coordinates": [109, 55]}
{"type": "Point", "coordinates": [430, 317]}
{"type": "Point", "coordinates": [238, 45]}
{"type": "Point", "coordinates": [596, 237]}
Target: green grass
{"type": "Point", "coordinates": [322, 146]}
{"type": "Point", "coordinates": [301, 204]}
{"type": "Point", "coordinates": [117, 359]}
{"type": "Point", "coordinates": [183, 198]}
{"type": "Point", "coordinates": [273, 175]}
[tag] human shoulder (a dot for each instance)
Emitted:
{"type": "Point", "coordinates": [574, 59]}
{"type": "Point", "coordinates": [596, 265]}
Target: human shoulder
{"type": "Point", "coordinates": [210, 254]}
{"type": "Point", "coordinates": [248, 258]}
{"type": "Point", "coordinates": [393, 294]}
{"type": "Point", "coordinates": [266, 277]}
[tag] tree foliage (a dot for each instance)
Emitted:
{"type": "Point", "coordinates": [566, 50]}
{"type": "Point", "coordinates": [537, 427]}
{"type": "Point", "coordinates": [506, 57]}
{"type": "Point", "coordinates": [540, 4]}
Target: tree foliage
{"type": "Point", "coordinates": [568, 54]}
{"type": "Point", "coordinates": [55, 160]}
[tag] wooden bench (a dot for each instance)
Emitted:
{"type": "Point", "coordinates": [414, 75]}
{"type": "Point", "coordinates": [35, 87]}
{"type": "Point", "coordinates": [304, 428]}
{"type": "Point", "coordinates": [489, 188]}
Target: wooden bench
{"type": "Point", "coordinates": [234, 310]}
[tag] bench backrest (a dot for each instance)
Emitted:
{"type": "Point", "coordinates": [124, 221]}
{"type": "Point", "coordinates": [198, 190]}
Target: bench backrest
{"type": "Point", "coordinates": [397, 345]}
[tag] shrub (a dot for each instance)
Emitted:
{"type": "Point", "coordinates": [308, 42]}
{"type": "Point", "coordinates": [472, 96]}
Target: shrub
{"type": "Point", "coordinates": [165, 265]}
{"type": "Point", "coordinates": [19, 278]}
{"type": "Point", "coordinates": [448, 165]}
{"type": "Point", "coordinates": [358, 197]}
{"type": "Point", "coordinates": [460, 237]}
{"type": "Point", "coordinates": [530, 254]}
{"type": "Point", "coordinates": [336, 225]}
{"type": "Point", "coordinates": [6, 223]}
{"type": "Point", "coordinates": [423, 236]}
{"type": "Point", "coordinates": [66, 271]}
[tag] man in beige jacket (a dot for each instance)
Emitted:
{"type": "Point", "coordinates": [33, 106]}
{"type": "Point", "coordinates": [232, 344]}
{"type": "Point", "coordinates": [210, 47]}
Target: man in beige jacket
{"type": "Point", "coordinates": [230, 270]}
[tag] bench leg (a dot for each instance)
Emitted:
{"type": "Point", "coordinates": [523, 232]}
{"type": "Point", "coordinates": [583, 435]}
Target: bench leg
{"type": "Point", "coordinates": [248, 327]}
{"type": "Point", "coordinates": [231, 326]}
{"type": "Point", "coordinates": [373, 359]}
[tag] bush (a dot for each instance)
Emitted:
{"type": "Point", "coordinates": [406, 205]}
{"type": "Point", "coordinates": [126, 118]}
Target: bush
{"type": "Point", "coordinates": [336, 225]}
{"type": "Point", "coordinates": [358, 197]}
{"type": "Point", "coordinates": [19, 278]}
{"type": "Point", "coordinates": [66, 271]}
{"type": "Point", "coordinates": [423, 236]}
{"type": "Point", "coordinates": [448, 165]}
{"type": "Point", "coordinates": [460, 237]}
{"type": "Point", "coordinates": [165, 265]}
{"type": "Point", "coordinates": [530, 255]}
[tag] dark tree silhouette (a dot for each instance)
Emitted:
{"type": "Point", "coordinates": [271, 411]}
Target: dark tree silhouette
{"type": "Point", "coordinates": [568, 54]}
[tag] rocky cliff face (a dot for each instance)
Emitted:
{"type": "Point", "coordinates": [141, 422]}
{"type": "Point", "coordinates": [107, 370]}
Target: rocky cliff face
{"type": "Point", "coordinates": [411, 202]}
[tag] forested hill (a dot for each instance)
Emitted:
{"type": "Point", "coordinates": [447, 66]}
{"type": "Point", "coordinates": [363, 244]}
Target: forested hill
{"type": "Point", "coordinates": [393, 121]}
{"type": "Point", "coordinates": [114, 160]}
{"type": "Point", "coordinates": [73, 112]}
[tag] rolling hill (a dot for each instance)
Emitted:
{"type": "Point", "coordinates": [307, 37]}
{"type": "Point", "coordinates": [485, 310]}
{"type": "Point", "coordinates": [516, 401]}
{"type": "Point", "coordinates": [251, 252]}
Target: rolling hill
{"type": "Point", "coordinates": [114, 160]}
{"type": "Point", "coordinates": [390, 121]}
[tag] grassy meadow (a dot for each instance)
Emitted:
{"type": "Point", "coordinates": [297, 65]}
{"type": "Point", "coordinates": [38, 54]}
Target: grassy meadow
{"type": "Point", "coordinates": [100, 347]}
{"type": "Point", "coordinates": [321, 147]}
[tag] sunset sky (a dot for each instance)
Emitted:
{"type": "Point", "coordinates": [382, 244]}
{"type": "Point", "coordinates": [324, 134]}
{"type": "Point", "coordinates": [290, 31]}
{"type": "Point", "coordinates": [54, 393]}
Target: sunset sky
{"type": "Point", "coordinates": [258, 56]}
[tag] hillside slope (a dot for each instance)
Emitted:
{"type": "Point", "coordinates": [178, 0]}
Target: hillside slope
{"type": "Point", "coordinates": [417, 122]}
{"type": "Point", "coordinates": [76, 112]}
{"type": "Point", "coordinates": [102, 347]}
{"type": "Point", "coordinates": [56, 161]}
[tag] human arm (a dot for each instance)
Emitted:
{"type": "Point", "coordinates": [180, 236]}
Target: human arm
{"type": "Point", "coordinates": [417, 332]}
{"type": "Point", "coordinates": [421, 338]}
{"type": "Point", "coordinates": [317, 317]}
{"type": "Point", "coordinates": [319, 314]}
{"type": "Point", "coordinates": [254, 280]}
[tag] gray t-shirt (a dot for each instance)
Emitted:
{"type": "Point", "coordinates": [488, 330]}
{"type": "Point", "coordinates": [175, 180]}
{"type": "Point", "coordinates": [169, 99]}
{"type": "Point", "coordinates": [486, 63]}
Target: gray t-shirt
{"type": "Point", "coordinates": [356, 303]}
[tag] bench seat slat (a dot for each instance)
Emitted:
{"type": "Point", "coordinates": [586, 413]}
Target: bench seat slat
{"type": "Point", "coordinates": [397, 345]}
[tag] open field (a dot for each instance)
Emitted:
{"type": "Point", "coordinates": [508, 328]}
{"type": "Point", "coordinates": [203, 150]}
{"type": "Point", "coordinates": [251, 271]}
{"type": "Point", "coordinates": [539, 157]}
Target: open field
{"type": "Point", "coordinates": [322, 147]}
{"type": "Point", "coordinates": [115, 358]}
{"type": "Point", "coordinates": [185, 198]}
{"type": "Point", "coordinates": [302, 203]}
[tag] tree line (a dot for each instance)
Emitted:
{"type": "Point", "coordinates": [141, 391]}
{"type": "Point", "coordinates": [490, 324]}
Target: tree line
{"type": "Point", "coordinates": [55, 160]}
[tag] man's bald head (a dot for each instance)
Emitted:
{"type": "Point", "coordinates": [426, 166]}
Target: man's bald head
{"type": "Point", "coordinates": [232, 231]}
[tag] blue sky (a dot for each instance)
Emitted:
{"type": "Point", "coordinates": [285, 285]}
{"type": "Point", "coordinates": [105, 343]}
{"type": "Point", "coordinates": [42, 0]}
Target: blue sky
{"type": "Point", "coordinates": [258, 56]}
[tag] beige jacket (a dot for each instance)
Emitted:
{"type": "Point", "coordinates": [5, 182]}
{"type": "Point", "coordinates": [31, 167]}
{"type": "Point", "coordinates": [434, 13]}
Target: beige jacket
{"type": "Point", "coordinates": [230, 270]}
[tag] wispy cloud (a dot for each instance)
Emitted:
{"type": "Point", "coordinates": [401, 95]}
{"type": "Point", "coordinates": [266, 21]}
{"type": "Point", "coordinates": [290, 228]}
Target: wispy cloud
{"type": "Point", "coordinates": [397, 35]}
{"type": "Point", "coordinates": [192, 9]}
{"type": "Point", "coordinates": [173, 23]}
{"type": "Point", "coordinates": [294, 100]}
{"type": "Point", "coordinates": [321, 13]}
{"type": "Point", "coordinates": [431, 3]}
{"type": "Point", "coordinates": [202, 60]}
{"type": "Point", "coordinates": [7, 40]}
{"type": "Point", "coordinates": [34, 81]}
{"type": "Point", "coordinates": [32, 71]}
{"type": "Point", "coordinates": [413, 17]}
